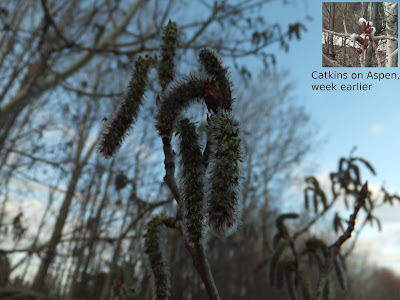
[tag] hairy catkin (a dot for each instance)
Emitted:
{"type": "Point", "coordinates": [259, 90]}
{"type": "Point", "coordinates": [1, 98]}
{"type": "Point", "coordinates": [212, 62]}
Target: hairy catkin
{"type": "Point", "coordinates": [117, 128]}
{"type": "Point", "coordinates": [192, 173]}
{"type": "Point", "coordinates": [213, 68]}
{"type": "Point", "coordinates": [175, 100]}
{"type": "Point", "coordinates": [223, 203]}
{"type": "Point", "coordinates": [166, 65]}
{"type": "Point", "coordinates": [158, 264]}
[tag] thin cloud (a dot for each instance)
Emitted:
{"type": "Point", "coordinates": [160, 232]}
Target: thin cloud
{"type": "Point", "coordinates": [397, 117]}
{"type": "Point", "coordinates": [377, 128]}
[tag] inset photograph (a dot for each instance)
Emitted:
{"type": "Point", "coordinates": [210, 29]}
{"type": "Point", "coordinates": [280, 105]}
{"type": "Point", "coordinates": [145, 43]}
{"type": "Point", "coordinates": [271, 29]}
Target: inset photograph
{"type": "Point", "coordinates": [360, 34]}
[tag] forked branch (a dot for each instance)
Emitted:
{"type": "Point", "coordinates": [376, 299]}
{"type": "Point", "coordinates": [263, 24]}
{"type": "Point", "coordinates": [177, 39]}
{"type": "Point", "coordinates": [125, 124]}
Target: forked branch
{"type": "Point", "coordinates": [335, 247]}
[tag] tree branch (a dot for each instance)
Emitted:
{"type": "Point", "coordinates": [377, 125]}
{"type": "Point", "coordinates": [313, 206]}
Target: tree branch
{"type": "Point", "coordinates": [200, 261]}
{"type": "Point", "coordinates": [379, 37]}
{"type": "Point", "coordinates": [335, 247]}
{"type": "Point", "coordinates": [169, 163]}
{"type": "Point", "coordinates": [28, 93]}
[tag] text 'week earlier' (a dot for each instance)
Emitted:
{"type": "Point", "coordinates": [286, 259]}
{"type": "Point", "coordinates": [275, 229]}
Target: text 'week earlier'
{"type": "Point", "coordinates": [343, 87]}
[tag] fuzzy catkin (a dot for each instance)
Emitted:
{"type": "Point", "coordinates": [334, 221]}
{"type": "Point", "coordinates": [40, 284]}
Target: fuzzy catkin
{"type": "Point", "coordinates": [160, 272]}
{"type": "Point", "coordinates": [166, 65]}
{"type": "Point", "coordinates": [175, 100]}
{"type": "Point", "coordinates": [127, 114]}
{"type": "Point", "coordinates": [192, 173]}
{"type": "Point", "coordinates": [223, 202]}
{"type": "Point", "coordinates": [213, 67]}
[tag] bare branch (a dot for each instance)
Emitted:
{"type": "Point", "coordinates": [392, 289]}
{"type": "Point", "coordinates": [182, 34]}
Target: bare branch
{"type": "Point", "coordinates": [377, 38]}
{"type": "Point", "coordinates": [335, 247]}
{"type": "Point", "coordinates": [169, 163]}
{"type": "Point", "coordinates": [200, 261]}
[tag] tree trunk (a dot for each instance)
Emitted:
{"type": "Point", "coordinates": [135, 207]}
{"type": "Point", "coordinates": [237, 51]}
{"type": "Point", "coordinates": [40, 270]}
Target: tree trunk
{"type": "Point", "coordinates": [373, 18]}
{"type": "Point", "coordinates": [38, 282]}
{"type": "Point", "coordinates": [48, 258]}
{"type": "Point", "coordinates": [331, 49]}
{"type": "Point", "coordinates": [391, 30]}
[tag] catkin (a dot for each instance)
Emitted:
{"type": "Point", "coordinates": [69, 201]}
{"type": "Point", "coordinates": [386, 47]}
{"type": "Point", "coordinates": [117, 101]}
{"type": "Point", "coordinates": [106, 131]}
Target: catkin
{"type": "Point", "coordinates": [127, 114]}
{"type": "Point", "coordinates": [223, 202]}
{"type": "Point", "coordinates": [192, 174]}
{"type": "Point", "coordinates": [158, 264]}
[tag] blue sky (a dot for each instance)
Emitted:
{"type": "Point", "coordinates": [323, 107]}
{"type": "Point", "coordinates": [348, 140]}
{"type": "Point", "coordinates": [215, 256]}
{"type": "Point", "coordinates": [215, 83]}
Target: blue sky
{"type": "Point", "coordinates": [369, 120]}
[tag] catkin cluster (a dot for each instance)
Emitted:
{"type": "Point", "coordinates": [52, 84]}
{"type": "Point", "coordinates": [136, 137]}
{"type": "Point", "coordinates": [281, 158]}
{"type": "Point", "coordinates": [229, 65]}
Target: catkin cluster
{"type": "Point", "coordinates": [210, 180]}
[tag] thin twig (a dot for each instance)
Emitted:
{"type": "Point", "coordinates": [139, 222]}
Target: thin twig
{"type": "Point", "coordinates": [362, 57]}
{"type": "Point", "coordinates": [314, 220]}
{"type": "Point", "coordinates": [169, 163]}
{"type": "Point", "coordinates": [90, 94]}
{"type": "Point", "coordinates": [344, 22]}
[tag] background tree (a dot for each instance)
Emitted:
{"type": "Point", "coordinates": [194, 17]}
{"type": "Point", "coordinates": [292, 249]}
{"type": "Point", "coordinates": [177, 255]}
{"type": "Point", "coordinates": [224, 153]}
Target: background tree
{"type": "Point", "coordinates": [391, 18]}
{"type": "Point", "coordinates": [373, 16]}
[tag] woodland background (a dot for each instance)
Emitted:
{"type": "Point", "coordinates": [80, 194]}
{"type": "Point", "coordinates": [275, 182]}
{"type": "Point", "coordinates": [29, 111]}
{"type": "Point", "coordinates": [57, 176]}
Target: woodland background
{"type": "Point", "coordinates": [71, 222]}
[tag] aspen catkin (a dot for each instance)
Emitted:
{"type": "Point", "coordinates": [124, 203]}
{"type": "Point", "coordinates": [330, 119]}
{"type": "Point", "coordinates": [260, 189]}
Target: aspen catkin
{"type": "Point", "coordinates": [192, 181]}
{"type": "Point", "coordinates": [153, 249]}
{"type": "Point", "coordinates": [128, 112]}
{"type": "Point", "coordinates": [223, 202]}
